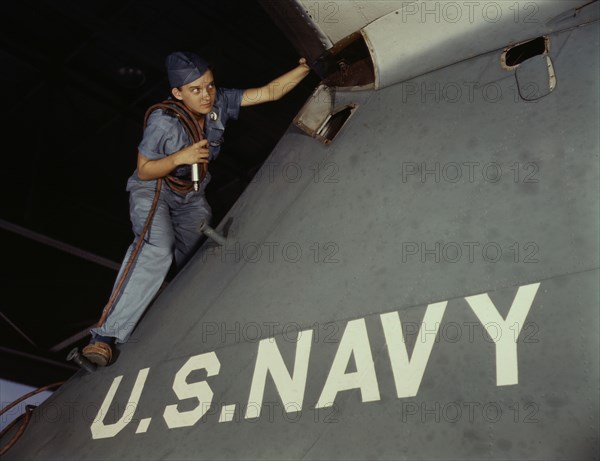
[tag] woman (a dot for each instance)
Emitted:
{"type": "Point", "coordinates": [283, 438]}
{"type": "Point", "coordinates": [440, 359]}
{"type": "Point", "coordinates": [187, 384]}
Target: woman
{"type": "Point", "coordinates": [166, 209]}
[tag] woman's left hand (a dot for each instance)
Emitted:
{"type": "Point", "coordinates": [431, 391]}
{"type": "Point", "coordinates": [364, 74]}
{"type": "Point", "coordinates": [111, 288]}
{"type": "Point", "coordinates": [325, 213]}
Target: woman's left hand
{"type": "Point", "coordinates": [302, 62]}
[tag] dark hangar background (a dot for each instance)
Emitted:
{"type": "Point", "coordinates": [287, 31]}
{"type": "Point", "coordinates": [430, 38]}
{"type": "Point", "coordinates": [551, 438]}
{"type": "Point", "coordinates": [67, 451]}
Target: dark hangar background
{"type": "Point", "coordinates": [77, 78]}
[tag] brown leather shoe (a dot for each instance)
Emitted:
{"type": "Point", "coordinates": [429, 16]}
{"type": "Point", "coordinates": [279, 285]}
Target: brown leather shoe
{"type": "Point", "coordinates": [99, 353]}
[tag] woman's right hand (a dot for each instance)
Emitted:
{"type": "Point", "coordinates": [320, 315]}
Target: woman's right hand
{"type": "Point", "coordinates": [154, 169]}
{"type": "Point", "coordinates": [196, 153]}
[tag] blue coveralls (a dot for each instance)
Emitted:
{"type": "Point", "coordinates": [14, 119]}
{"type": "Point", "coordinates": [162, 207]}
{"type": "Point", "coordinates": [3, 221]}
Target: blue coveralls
{"type": "Point", "coordinates": [174, 229]}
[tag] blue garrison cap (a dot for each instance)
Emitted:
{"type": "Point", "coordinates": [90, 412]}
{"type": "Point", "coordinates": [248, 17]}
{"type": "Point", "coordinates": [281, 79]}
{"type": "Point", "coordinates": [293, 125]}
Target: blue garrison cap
{"type": "Point", "coordinates": [184, 67]}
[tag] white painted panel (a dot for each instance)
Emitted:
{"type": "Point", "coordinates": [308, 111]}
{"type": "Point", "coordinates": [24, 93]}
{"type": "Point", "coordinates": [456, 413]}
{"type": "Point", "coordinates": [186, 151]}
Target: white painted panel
{"type": "Point", "coordinates": [424, 36]}
{"type": "Point", "coordinates": [338, 19]}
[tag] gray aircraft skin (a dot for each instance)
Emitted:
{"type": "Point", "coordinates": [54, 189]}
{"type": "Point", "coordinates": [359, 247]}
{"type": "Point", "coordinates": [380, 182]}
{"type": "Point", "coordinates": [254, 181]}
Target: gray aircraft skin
{"type": "Point", "coordinates": [423, 286]}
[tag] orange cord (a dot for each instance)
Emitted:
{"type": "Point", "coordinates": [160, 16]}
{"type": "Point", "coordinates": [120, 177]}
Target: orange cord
{"type": "Point", "coordinates": [24, 418]}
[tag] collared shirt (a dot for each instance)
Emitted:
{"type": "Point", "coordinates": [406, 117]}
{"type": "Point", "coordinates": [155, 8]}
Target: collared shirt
{"type": "Point", "coordinates": [164, 135]}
